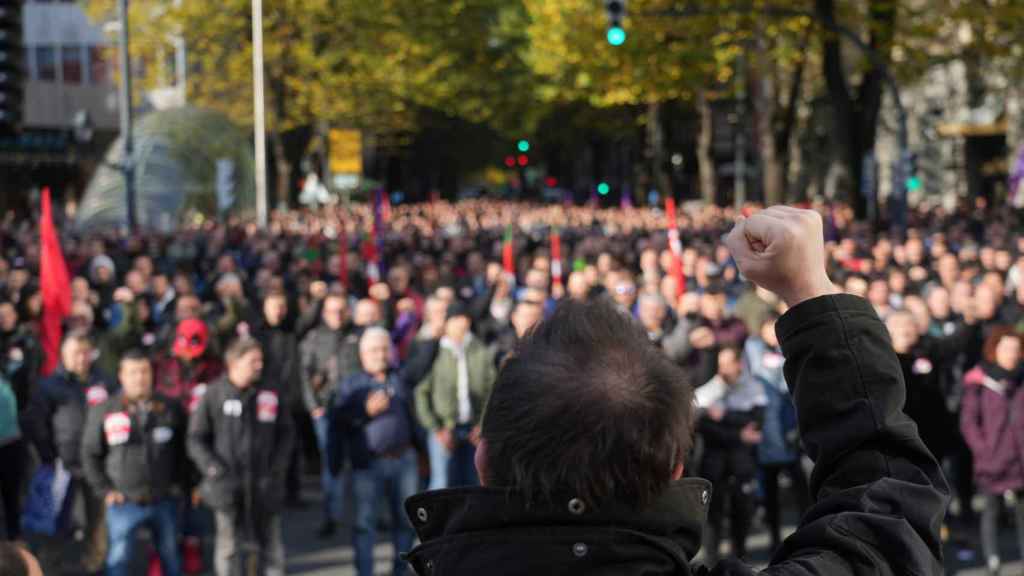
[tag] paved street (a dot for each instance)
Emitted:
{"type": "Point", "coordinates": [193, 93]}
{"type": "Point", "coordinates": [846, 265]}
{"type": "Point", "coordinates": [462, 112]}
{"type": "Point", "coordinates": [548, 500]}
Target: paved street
{"type": "Point", "coordinates": [309, 555]}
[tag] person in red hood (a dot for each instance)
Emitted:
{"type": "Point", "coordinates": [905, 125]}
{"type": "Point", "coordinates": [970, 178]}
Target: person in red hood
{"type": "Point", "coordinates": [184, 376]}
{"type": "Point", "coordinates": [990, 420]}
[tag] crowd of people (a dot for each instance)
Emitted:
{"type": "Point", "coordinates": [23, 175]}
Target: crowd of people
{"type": "Point", "coordinates": [197, 370]}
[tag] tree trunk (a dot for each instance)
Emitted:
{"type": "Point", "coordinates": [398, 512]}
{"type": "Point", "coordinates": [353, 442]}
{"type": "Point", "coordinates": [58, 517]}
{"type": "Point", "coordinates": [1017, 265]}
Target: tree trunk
{"type": "Point", "coordinates": [856, 120]}
{"type": "Point", "coordinates": [656, 149]}
{"type": "Point", "coordinates": [283, 168]}
{"type": "Point", "coordinates": [765, 102]}
{"type": "Point", "coordinates": [705, 164]}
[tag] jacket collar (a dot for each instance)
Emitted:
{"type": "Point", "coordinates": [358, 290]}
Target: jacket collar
{"type": "Point", "coordinates": [677, 515]}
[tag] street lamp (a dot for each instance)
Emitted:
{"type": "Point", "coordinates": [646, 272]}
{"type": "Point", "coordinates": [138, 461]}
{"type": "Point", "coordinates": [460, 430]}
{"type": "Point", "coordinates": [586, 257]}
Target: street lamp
{"type": "Point", "coordinates": [127, 159]}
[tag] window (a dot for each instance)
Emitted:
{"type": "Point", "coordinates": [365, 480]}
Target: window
{"type": "Point", "coordinates": [46, 63]}
{"type": "Point", "coordinates": [99, 65]}
{"type": "Point", "coordinates": [71, 59]}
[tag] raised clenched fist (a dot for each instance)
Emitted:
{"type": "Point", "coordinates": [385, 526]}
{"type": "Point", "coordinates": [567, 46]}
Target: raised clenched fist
{"type": "Point", "coordinates": [782, 249]}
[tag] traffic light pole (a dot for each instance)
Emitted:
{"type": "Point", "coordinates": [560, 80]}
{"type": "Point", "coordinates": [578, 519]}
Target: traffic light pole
{"type": "Point", "coordinates": [128, 156]}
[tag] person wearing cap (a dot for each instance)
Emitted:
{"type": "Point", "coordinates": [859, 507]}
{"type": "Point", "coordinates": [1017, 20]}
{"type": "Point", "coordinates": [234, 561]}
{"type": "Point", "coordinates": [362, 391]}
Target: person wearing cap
{"type": "Point", "coordinates": [183, 377]}
{"type": "Point", "coordinates": [450, 401]}
{"type": "Point", "coordinates": [54, 422]}
{"type": "Point", "coordinates": [133, 453]}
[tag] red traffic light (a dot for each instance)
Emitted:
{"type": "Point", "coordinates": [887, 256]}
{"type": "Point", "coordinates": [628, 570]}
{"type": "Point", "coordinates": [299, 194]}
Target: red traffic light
{"type": "Point", "coordinates": [523, 159]}
{"type": "Point", "coordinates": [510, 161]}
{"type": "Point", "coordinates": [551, 181]}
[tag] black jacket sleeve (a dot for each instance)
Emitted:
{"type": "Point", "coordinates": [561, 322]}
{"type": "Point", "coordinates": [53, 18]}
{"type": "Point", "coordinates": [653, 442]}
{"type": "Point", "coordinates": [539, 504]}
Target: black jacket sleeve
{"type": "Point", "coordinates": [879, 494]}
{"type": "Point", "coordinates": [38, 423]}
{"type": "Point", "coordinates": [94, 451]}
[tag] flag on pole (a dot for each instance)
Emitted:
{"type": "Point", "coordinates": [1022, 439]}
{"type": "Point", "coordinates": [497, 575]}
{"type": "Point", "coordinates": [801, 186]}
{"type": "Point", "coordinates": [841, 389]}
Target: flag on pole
{"type": "Point", "coordinates": [508, 256]}
{"type": "Point", "coordinates": [55, 285]}
{"type": "Point", "coordinates": [342, 252]}
{"type": "Point", "coordinates": [556, 256]}
{"type": "Point", "coordinates": [672, 225]}
{"type": "Point", "coordinates": [1017, 181]}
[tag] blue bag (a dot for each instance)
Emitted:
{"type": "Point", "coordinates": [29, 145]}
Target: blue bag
{"type": "Point", "coordinates": [47, 500]}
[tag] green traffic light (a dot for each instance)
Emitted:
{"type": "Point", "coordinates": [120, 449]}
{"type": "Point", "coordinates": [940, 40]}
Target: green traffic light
{"type": "Point", "coordinates": [913, 184]}
{"type": "Point", "coordinates": [616, 36]}
{"type": "Point", "coordinates": [603, 188]}
{"type": "Point", "coordinates": [523, 145]}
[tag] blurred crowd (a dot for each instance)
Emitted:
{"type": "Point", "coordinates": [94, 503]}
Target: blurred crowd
{"type": "Point", "coordinates": [370, 342]}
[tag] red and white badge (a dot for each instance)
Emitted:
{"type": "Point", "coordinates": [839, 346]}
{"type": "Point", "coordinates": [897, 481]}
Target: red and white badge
{"type": "Point", "coordinates": [772, 361]}
{"type": "Point", "coordinates": [195, 396]}
{"type": "Point", "coordinates": [922, 366]}
{"type": "Point", "coordinates": [96, 395]}
{"type": "Point", "coordinates": [118, 428]}
{"type": "Point", "coordinates": [266, 406]}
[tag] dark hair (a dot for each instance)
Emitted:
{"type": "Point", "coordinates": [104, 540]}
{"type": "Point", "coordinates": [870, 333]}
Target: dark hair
{"type": "Point", "coordinates": [996, 334]}
{"type": "Point", "coordinates": [133, 355]}
{"type": "Point", "coordinates": [12, 561]}
{"type": "Point", "coordinates": [587, 406]}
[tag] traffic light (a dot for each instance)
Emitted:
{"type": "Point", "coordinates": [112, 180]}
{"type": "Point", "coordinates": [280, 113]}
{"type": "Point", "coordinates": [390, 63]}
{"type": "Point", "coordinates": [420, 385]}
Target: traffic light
{"type": "Point", "coordinates": [523, 160]}
{"type": "Point", "coordinates": [11, 72]}
{"type": "Point", "coordinates": [510, 161]}
{"type": "Point", "coordinates": [616, 10]}
{"type": "Point", "coordinates": [523, 146]}
{"type": "Point", "coordinates": [913, 180]}
{"type": "Point", "coordinates": [603, 188]}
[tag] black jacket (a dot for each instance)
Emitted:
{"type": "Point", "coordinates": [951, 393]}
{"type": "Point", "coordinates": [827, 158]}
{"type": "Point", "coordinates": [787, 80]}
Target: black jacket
{"type": "Point", "coordinates": [241, 440]}
{"type": "Point", "coordinates": [57, 412]}
{"type": "Point", "coordinates": [281, 363]}
{"type": "Point", "coordinates": [879, 495]}
{"type": "Point", "coordinates": [138, 453]}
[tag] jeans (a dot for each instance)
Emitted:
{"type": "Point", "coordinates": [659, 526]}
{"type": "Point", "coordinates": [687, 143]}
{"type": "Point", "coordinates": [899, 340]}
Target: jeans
{"type": "Point", "coordinates": [233, 551]}
{"type": "Point", "coordinates": [399, 477]}
{"type": "Point", "coordinates": [452, 469]}
{"type": "Point", "coordinates": [333, 486]}
{"type": "Point", "coordinates": [93, 524]}
{"type": "Point", "coordinates": [122, 522]}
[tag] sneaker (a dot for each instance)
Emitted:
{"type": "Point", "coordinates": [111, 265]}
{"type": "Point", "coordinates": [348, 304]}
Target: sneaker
{"type": "Point", "coordinates": [327, 529]}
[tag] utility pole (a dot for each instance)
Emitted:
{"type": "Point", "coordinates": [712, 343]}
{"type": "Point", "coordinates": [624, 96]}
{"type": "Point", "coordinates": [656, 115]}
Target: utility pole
{"type": "Point", "coordinates": [128, 155]}
{"type": "Point", "coordinates": [260, 113]}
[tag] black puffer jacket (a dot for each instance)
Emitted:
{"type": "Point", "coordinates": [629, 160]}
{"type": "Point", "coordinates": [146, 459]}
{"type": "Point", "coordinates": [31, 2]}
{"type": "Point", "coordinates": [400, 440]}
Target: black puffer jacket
{"type": "Point", "coordinates": [879, 495]}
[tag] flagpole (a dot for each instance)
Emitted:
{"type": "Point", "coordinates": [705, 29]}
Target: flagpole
{"type": "Point", "coordinates": [259, 112]}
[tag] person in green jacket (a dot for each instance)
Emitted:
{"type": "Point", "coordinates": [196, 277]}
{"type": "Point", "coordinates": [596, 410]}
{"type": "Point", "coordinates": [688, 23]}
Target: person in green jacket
{"type": "Point", "coordinates": [450, 401]}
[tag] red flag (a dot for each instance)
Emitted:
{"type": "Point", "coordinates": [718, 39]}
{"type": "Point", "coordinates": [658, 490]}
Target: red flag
{"type": "Point", "coordinates": [342, 253]}
{"type": "Point", "coordinates": [556, 256]}
{"type": "Point", "coordinates": [508, 257]}
{"type": "Point", "coordinates": [55, 285]}
{"type": "Point", "coordinates": [675, 245]}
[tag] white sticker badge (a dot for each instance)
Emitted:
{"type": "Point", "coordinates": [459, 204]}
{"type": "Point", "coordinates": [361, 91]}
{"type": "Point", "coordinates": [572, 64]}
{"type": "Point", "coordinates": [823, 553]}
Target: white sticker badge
{"type": "Point", "coordinates": [266, 406]}
{"type": "Point", "coordinates": [96, 395]}
{"type": "Point", "coordinates": [162, 434]}
{"type": "Point", "coordinates": [233, 407]}
{"type": "Point", "coordinates": [195, 396]}
{"type": "Point", "coordinates": [118, 428]}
